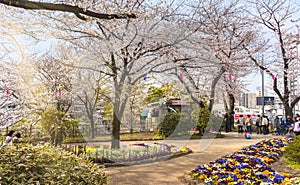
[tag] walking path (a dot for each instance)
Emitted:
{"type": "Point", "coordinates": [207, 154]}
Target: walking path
{"type": "Point", "coordinates": [167, 172]}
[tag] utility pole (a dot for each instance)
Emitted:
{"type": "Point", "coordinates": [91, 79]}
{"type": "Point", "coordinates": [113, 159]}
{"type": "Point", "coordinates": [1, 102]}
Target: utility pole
{"type": "Point", "coordinates": [263, 89]}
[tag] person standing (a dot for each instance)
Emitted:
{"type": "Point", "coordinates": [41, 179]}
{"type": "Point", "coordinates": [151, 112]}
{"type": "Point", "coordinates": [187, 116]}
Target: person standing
{"type": "Point", "coordinates": [241, 123]}
{"type": "Point", "coordinates": [265, 124]}
{"type": "Point", "coordinates": [248, 123]}
{"type": "Point", "coordinates": [227, 122]}
{"type": "Point", "coordinates": [258, 125]}
{"type": "Point", "coordinates": [231, 119]}
{"type": "Point", "coordinates": [276, 125]}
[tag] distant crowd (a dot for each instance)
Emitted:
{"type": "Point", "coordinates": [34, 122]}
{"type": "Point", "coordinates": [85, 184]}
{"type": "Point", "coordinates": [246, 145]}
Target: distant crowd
{"type": "Point", "coordinates": [279, 125]}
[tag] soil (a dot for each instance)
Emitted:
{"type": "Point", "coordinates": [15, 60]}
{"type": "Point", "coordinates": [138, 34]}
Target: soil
{"type": "Point", "coordinates": [280, 167]}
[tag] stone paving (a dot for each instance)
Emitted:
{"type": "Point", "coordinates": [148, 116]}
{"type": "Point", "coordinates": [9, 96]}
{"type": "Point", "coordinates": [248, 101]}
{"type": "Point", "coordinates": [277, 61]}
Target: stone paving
{"type": "Point", "coordinates": [168, 172]}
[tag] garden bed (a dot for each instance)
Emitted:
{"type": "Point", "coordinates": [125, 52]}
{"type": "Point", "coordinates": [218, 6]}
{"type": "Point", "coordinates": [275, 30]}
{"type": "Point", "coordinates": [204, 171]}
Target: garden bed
{"type": "Point", "coordinates": [249, 165]}
{"type": "Point", "coordinates": [134, 154]}
{"type": "Point", "coordinates": [143, 136]}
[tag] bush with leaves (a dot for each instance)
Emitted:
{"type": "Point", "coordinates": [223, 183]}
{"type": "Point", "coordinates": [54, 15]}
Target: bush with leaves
{"type": "Point", "coordinates": [176, 124]}
{"type": "Point", "coordinates": [292, 151]}
{"type": "Point", "coordinates": [71, 127]}
{"type": "Point", "coordinates": [28, 164]}
{"type": "Point", "coordinates": [50, 118]}
{"type": "Point", "coordinates": [168, 124]}
{"type": "Point", "coordinates": [201, 117]}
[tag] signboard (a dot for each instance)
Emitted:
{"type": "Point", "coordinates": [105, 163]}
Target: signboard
{"type": "Point", "coordinates": [268, 100]}
{"type": "Point", "coordinates": [179, 102]}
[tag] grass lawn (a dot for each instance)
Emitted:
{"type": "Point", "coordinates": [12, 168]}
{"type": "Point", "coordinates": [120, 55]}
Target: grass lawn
{"type": "Point", "coordinates": [125, 136]}
{"type": "Point", "coordinates": [137, 135]}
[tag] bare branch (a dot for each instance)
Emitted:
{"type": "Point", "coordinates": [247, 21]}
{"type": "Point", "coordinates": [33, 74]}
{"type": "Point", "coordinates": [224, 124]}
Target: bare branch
{"type": "Point", "coordinates": [31, 5]}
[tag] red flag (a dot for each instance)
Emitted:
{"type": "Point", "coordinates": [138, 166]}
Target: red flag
{"type": "Point", "coordinates": [180, 76]}
{"type": "Point", "coordinates": [273, 77]}
{"type": "Point", "coordinates": [230, 77]}
{"type": "Point", "coordinates": [7, 93]}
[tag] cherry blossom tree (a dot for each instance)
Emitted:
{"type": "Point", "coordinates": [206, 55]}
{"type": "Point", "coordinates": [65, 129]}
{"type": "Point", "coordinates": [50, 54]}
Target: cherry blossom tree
{"type": "Point", "coordinates": [90, 92]}
{"type": "Point", "coordinates": [11, 104]}
{"type": "Point", "coordinates": [224, 32]}
{"type": "Point", "coordinates": [124, 50]}
{"type": "Point", "coordinates": [280, 26]}
{"type": "Point", "coordinates": [57, 80]}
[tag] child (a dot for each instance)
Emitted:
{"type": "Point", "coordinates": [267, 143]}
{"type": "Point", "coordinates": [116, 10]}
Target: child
{"type": "Point", "coordinates": [9, 137]}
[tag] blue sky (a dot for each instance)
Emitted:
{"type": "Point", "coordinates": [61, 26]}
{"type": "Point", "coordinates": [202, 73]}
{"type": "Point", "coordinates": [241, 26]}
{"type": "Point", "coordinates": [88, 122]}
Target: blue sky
{"type": "Point", "coordinates": [254, 81]}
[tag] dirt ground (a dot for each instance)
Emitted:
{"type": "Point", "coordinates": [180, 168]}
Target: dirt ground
{"type": "Point", "coordinates": [168, 172]}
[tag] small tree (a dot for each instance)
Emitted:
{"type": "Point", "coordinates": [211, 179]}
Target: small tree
{"type": "Point", "coordinates": [52, 124]}
{"type": "Point", "coordinates": [201, 117]}
{"type": "Point", "coordinates": [176, 124]}
{"type": "Point", "coordinates": [168, 124]}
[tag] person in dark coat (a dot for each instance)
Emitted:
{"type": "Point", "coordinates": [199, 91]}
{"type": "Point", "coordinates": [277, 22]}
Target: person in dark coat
{"type": "Point", "coordinates": [227, 122]}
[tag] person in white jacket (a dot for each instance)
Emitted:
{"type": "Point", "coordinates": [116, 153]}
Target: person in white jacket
{"type": "Point", "coordinates": [297, 128]}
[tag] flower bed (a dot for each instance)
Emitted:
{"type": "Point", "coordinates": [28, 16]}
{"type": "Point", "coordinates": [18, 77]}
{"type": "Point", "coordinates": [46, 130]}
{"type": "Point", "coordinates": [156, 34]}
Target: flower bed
{"type": "Point", "coordinates": [247, 166]}
{"type": "Point", "coordinates": [140, 153]}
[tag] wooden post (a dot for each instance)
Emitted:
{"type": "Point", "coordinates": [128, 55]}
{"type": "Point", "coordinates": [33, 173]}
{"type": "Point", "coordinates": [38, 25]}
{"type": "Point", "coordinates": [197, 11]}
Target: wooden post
{"type": "Point", "coordinates": [96, 157]}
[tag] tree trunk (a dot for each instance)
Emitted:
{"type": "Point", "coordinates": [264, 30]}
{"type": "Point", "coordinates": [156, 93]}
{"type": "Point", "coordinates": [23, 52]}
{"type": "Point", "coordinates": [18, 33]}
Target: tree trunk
{"type": "Point", "coordinates": [116, 124]}
{"type": "Point", "coordinates": [288, 110]}
{"type": "Point", "coordinates": [225, 103]}
{"type": "Point", "coordinates": [231, 102]}
{"type": "Point", "coordinates": [213, 89]}
{"type": "Point", "coordinates": [92, 127]}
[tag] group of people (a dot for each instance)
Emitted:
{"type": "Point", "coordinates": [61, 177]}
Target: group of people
{"type": "Point", "coordinates": [11, 138]}
{"type": "Point", "coordinates": [263, 125]}
{"type": "Point", "coordinates": [287, 125]}
{"type": "Point", "coordinates": [244, 124]}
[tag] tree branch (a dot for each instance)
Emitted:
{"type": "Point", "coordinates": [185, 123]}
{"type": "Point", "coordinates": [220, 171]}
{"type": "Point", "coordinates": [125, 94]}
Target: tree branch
{"type": "Point", "coordinates": [31, 5]}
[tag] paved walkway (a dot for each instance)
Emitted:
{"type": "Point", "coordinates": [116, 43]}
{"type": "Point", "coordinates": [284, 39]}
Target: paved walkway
{"type": "Point", "coordinates": [167, 172]}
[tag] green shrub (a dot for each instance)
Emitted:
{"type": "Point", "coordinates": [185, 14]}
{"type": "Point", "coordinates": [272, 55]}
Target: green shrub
{"type": "Point", "coordinates": [292, 151]}
{"type": "Point", "coordinates": [168, 124]}
{"type": "Point", "coordinates": [201, 117]}
{"type": "Point", "coordinates": [206, 120]}
{"type": "Point", "coordinates": [177, 124]}
{"type": "Point", "coordinates": [28, 164]}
